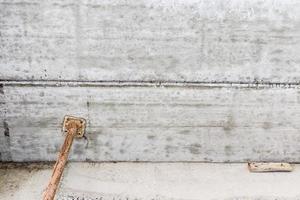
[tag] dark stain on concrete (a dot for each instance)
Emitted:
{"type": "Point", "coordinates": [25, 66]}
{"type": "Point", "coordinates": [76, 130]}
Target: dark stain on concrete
{"type": "Point", "coordinates": [107, 144]}
{"type": "Point", "coordinates": [170, 149]}
{"type": "Point", "coordinates": [151, 137]}
{"type": "Point", "coordinates": [195, 148]}
{"type": "Point", "coordinates": [6, 129]}
{"type": "Point", "coordinates": [207, 159]}
{"type": "Point", "coordinates": [228, 150]}
{"type": "Point", "coordinates": [146, 151]}
{"type": "Point", "coordinates": [51, 150]}
{"type": "Point", "coordinates": [229, 124]}
{"type": "Point", "coordinates": [275, 60]}
{"type": "Point", "coordinates": [122, 151]}
{"type": "Point", "coordinates": [56, 147]}
{"type": "Point", "coordinates": [256, 151]}
{"type": "Point", "coordinates": [1, 89]}
{"type": "Point", "coordinates": [277, 51]}
{"type": "Point", "coordinates": [184, 132]}
{"type": "Point", "coordinates": [78, 150]}
{"type": "Point", "coordinates": [267, 125]}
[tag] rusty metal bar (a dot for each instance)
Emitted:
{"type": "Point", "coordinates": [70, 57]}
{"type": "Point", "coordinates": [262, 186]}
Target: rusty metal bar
{"type": "Point", "coordinates": [73, 127]}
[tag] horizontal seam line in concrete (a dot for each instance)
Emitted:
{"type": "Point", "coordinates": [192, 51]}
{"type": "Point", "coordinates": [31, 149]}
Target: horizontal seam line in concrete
{"type": "Point", "coordinates": [47, 164]}
{"type": "Point", "coordinates": [138, 83]}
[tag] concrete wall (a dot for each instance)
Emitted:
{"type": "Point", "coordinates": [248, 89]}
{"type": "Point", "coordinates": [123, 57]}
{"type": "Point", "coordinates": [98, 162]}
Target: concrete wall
{"type": "Point", "coordinates": [157, 80]}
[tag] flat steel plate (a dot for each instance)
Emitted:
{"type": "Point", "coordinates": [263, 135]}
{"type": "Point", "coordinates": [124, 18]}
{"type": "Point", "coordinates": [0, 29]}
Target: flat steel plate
{"type": "Point", "coordinates": [81, 124]}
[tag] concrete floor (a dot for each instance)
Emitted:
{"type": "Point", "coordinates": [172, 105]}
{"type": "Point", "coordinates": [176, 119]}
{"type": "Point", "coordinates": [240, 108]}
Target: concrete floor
{"type": "Point", "coordinates": [149, 181]}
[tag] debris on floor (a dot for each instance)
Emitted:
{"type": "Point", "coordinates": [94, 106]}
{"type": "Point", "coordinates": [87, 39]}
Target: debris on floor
{"type": "Point", "coordinates": [269, 167]}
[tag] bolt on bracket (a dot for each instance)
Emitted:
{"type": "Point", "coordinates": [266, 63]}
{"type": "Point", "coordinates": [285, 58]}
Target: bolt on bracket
{"type": "Point", "coordinates": [70, 121]}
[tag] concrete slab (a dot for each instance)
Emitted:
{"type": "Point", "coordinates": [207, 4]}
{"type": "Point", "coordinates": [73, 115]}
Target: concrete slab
{"type": "Point", "coordinates": [151, 181]}
{"type": "Point", "coordinates": [23, 181]}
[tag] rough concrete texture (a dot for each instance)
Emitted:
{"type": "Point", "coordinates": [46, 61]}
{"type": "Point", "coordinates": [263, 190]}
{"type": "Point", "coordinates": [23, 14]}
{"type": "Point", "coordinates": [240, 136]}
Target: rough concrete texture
{"type": "Point", "coordinates": [23, 181]}
{"type": "Point", "coordinates": [154, 123]}
{"type": "Point", "coordinates": [205, 45]}
{"type": "Point", "coordinates": [186, 40]}
{"type": "Point", "coordinates": [152, 181]}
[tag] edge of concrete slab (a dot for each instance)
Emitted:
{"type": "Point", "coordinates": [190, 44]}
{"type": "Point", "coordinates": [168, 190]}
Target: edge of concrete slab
{"type": "Point", "coordinates": [149, 181]}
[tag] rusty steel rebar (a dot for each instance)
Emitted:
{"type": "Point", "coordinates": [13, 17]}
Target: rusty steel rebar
{"type": "Point", "coordinates": [73, 127]}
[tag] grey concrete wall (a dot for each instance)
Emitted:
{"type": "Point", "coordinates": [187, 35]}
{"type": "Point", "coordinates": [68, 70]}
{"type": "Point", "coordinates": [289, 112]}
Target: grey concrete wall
{"type": "Point", "coordinates": [157, 80]}
{"type": "Point", "coordinates": [186, 40]}
{"type": "Point", "coordinates": [126, 123]}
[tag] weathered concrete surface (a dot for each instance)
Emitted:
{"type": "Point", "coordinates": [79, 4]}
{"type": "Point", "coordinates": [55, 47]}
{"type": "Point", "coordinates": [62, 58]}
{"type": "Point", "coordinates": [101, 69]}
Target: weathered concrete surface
{"type": "Point", "coordinates": [25, 181]}
{"type": "Point", "coordinates": [152, 181]}
{"type": "Point", "coordinates": [220, 124]}
{"type": "Point", "coordinates": [194, 42]}
{"type": "Point", "coordinates": [186, 40]}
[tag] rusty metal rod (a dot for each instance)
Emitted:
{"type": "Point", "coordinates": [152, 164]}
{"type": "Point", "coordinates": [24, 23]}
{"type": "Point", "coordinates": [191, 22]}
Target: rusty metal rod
{"type": "Point", "coordinates": [50, 191]}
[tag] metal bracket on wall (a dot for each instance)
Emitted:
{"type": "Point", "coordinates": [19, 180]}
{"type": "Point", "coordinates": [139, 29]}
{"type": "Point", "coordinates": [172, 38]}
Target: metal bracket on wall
{"type": "Point", "coordinates": [68, 120]}
{"type": "Point", "coordinates": [73, 127]}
